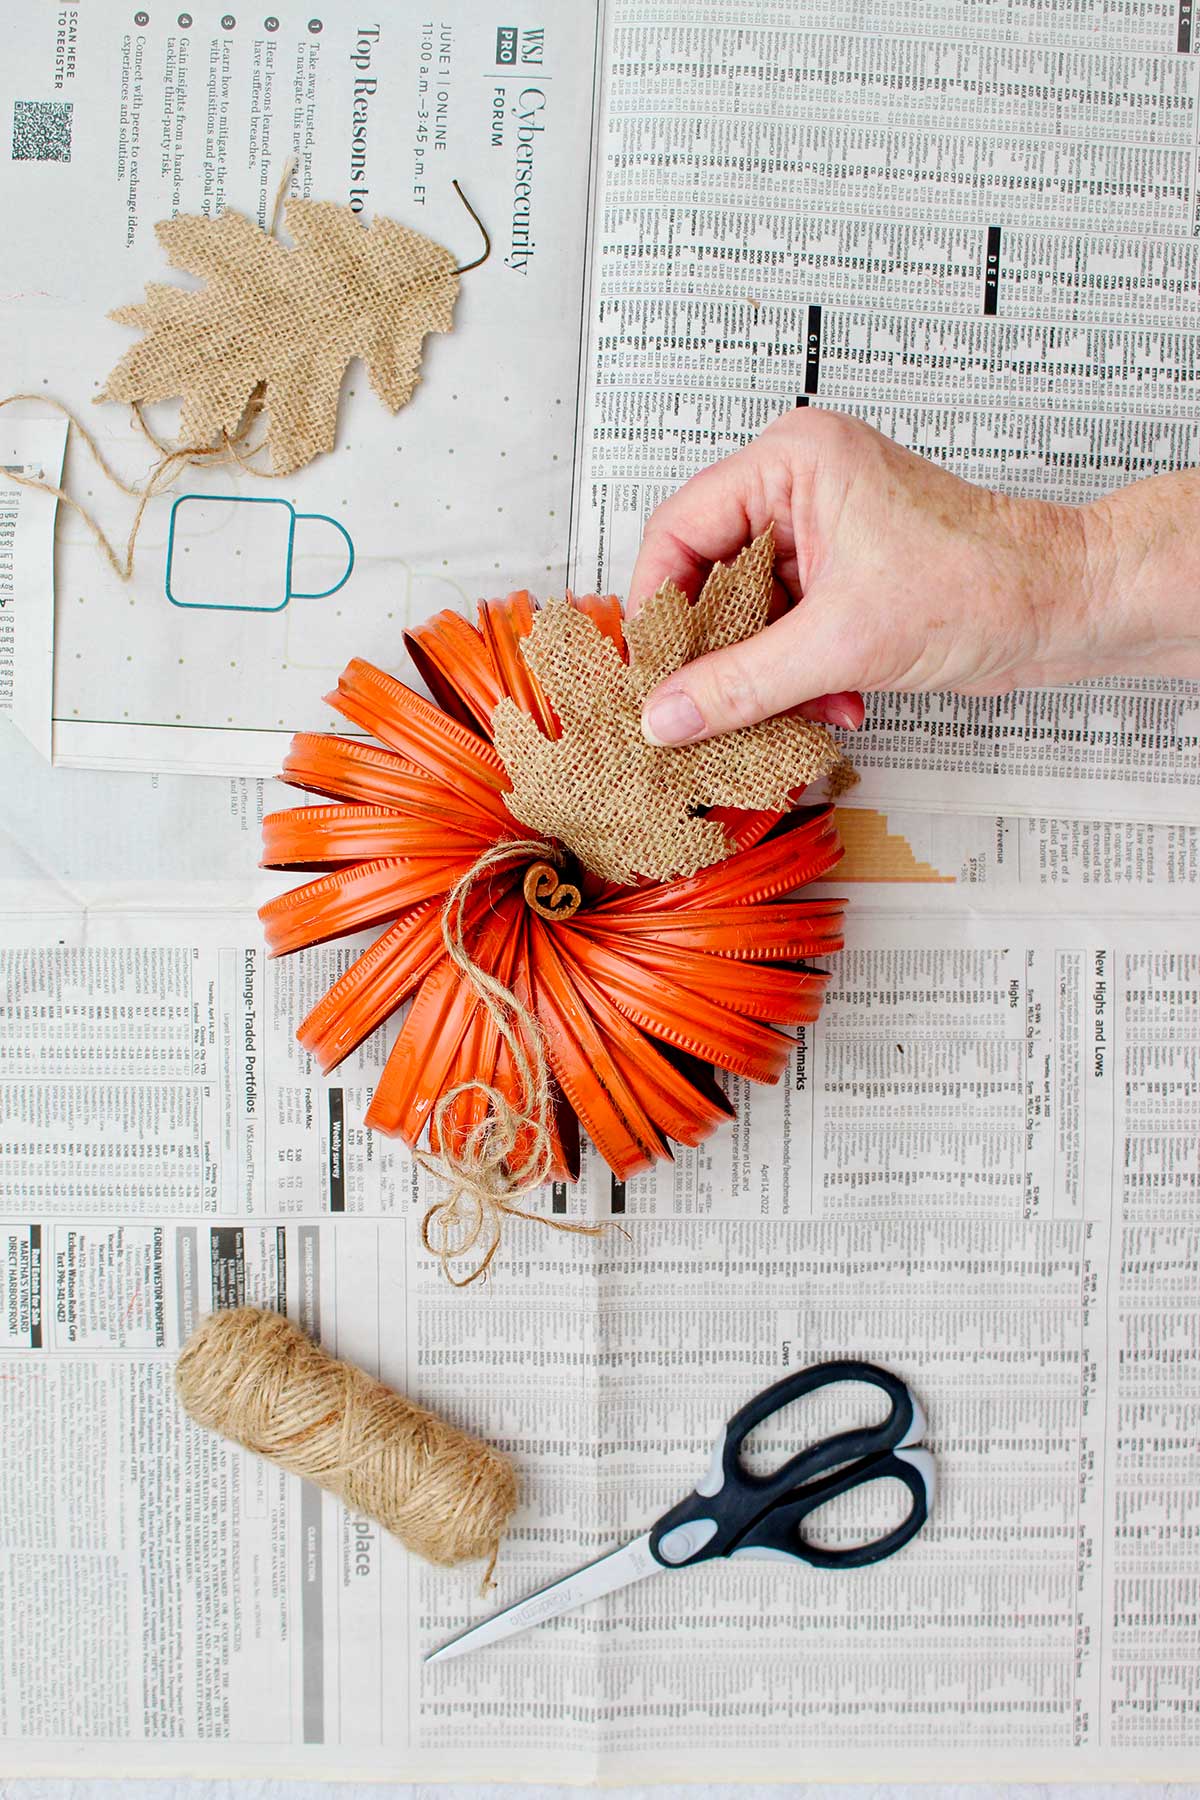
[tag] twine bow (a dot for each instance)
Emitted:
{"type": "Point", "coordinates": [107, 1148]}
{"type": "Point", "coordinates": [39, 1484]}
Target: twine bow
{"type": "Point", "coordinates": [489, 1171]}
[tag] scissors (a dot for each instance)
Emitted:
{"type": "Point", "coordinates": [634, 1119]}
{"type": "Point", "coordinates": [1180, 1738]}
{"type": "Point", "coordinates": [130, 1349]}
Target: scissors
{"type": "Point", "coordinates": [732, 1512]}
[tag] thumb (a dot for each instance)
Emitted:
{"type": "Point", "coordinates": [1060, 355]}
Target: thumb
{"type": "Point", "coordinates": [795, 664]}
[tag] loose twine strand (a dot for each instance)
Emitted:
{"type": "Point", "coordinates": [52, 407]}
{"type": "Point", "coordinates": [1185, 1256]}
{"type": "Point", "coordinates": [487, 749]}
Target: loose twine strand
{"type": "Point", "coordinates": [173, 459]}
{"type": "Point", "coordinates": [233, 450]}
{"type": "Point", "coordinates": [171, 464]}
{"type": "Point", "coordinates": [490, 1170]}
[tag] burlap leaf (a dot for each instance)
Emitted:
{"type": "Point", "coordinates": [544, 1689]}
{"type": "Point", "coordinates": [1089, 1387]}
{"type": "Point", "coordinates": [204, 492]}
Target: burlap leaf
{"type": "Point", "coordinates": [623, 806]}
{"type": "Point", "coordinates": [291, 319]}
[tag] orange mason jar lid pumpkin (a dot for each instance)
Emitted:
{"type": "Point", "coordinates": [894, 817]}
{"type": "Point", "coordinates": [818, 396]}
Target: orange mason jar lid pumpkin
{"type": "Point", "coordinates": [640, 992]}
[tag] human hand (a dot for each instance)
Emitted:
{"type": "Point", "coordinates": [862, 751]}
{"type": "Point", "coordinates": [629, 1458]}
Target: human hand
{"type": "Point", "coordinates": [891, 573]}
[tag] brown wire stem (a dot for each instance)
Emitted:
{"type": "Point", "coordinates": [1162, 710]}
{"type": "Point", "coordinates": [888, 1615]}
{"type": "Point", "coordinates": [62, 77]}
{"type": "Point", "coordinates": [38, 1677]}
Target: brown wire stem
{"type": "Point", "coordinates": [483, 230]}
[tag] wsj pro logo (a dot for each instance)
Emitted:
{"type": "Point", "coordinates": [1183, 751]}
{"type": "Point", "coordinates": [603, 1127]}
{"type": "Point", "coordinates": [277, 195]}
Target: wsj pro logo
{"type": "Point", "coordinates": [523, 46]}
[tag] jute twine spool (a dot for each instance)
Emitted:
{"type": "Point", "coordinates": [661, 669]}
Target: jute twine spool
{"type": "Point", "coordinates": [254, 1377]}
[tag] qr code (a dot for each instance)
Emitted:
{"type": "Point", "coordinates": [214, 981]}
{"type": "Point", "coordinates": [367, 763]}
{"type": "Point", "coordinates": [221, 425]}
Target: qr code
{"type": "Point", "coordinates": [42, 130]}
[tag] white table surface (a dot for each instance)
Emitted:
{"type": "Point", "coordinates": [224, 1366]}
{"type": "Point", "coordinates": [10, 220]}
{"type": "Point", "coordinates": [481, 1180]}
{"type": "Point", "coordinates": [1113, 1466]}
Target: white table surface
{"type": "Point", "coordinates": [321, 1790]}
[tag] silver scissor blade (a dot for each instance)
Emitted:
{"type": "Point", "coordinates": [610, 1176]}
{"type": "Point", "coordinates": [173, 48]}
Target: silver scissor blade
{"type": "Point", "coordinates": [604, 1576]}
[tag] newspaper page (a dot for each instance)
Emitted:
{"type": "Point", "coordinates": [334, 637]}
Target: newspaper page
{"type": "Point", "coordinates": [975, 228]}
{"type": "Point", "coordinates": [30, 451]}
{"type": "Point", "coordinates": [980, 1171]}
{"type": "Point", "coordinates": [249, 595]}
{"type": "Point", "coordinates": [976, 234]}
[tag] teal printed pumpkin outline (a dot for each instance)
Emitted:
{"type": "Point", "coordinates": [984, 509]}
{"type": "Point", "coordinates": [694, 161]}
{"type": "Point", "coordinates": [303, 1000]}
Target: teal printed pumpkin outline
{"type": "Point", "coordinates": [291, 592]}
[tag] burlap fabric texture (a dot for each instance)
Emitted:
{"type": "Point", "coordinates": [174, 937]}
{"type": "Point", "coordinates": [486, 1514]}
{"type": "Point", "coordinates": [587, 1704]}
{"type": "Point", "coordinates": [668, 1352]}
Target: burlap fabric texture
{"type": "Point", "coordinates": [623, 806]}
{"type": "Point", "coordinates": [289, 318]}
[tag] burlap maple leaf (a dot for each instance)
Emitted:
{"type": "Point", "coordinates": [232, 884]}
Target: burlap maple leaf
{"type": "Point", "coordinates": [623, 806]}
{"type": "Point", "coordinates": [289, 318]}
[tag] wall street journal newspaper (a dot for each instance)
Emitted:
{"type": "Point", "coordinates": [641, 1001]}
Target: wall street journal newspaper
{"type": "Point", "coordinates": [981, 1169]}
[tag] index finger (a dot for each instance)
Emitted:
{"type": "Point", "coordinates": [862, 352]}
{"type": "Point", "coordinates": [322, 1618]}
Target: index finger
{"type": "Point", "coordinates": [709, 519]}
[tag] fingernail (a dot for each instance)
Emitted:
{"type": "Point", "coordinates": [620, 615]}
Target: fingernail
{"type": "Point", "coordinates": [673, 718]}
{"type": "Point", "coordinates": [841, 715]}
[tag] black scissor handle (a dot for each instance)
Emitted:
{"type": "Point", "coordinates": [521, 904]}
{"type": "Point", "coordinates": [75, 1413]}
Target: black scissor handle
{"type": "Point", "coordinates": [843, 1447]}
{"type": "Point", "coordinates": [779, 1532]}
{"type": "Point", "coordinates": [729, 1499]}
